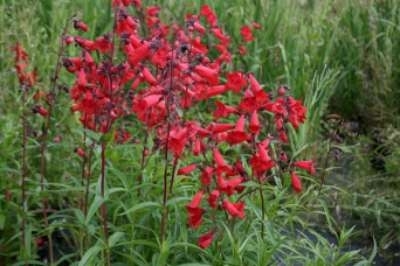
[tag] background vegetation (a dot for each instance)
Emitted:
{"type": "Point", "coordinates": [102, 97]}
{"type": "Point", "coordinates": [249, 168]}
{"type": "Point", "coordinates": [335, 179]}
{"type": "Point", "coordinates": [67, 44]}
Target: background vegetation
{"type": "Point", "coordinates": [341, 57]}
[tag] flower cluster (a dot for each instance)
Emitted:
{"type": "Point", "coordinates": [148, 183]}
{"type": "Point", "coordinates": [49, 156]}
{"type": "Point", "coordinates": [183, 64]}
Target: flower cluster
{"type": "Point", "coordinates": [156, 71]}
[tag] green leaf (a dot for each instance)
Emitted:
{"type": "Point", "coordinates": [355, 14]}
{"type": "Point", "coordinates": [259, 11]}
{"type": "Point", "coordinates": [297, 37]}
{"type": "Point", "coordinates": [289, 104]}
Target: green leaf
{"type": "Point", "coordinates": [144, 205]}
{"type": "Point", "coordinates": [93, 208]}
{"type": "Point", "coordinates": [114, 238]}
{"type": "Point", "coordinates": [89, 255]}
{"type": "Point", "coordinates": [2, 220]}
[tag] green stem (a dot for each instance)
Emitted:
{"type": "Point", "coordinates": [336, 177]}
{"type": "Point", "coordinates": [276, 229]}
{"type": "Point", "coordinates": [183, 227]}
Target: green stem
{"type": "Point", "coordinates": [103, 208]}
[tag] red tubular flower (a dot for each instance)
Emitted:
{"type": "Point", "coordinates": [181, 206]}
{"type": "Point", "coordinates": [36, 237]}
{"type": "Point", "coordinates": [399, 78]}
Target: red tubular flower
{"type": "Point", "coordinates": [296, 182]}
{"type": "Point", "coordinates": [261, 161]}
{"type": "Point", "coordinates": [306, 165]}
{"type": "Point", "coordinates": [187, 169]}
{"type": "Point", "coordinates": [254, 84]}
{"type": "Point", "coordinates": [38, 109]}
{"type": "Point", "coordinates": [219, 159]}
{"type": "Point", "coordinates": [223, 110]}
{"type": "Point", "coordinates": [213, 91]}
{"type": "Point", "coordinates": [219, 34]}
{"type": "Point", "coordinates": [153, 10]}
{"type": "Point", "coordinates": [196, 200]}
{"type": "Point", "coordinates": [228, 186]}
{"type": "Point", "coordinates": [296, 112]}
{"type": "Point", "coordinates": [206, 176]}
{"type": "Point", "coordinates": [209, 15]}
{"type": "Point", "coordinates": [238, 135]}
{"type": "Point", "coordinates": [236, 81]}
{"type": "Point", "coordinates": [197, 147]}
{"type": "Point", "coordinates": [211, 75]}
{"type": "Point", "coordinates": [216, 128]}
{"type": "Point", "coordinates": [206, 239]}
{"type": "Point", "coordinates": [213, 198]}
{"type": "Point", "coordinates": [177, 140]}
{"type": "Point", "coordinates": [242, 50]}
{"type": "Point", "coordinates": [148, 76]}
{"type": "Point", "coordinates": [195, 217]}
{"type": "Point", "coordinates": [103, 44]}
{"type": "Point", "coordinates": [254, 125]}
{"type": "Point", "coordinates": [80, 25]}
{"type": "Point", "coordinates": [247, 34]}
{"type": "Point", "coordinates": [234, 209]}
{"type": "Point", "coordinates": [80, 152]}
{"type": "Point", "coordinates": [283, 136]}
{"type": "Point", "coordinates": [195, 213]}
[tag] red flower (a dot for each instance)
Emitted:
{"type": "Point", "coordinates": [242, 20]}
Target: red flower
{"type": "Point", "coordinates": [296, 112]}
{"type": "Point", "coordinates": [80, 152]}
{"type": "Point", "coordinates": [223, 110]}
{"type": "Point", "coordinates": [177, 140]}
{"type": "Point", "coordinates": [195, 213]}
{"type": "Point", "coordinates": [306, 165]}
{"type": "Point", "coordinates": [234, 209]}
{"type": "Point", "coordinates": [237, 135]}
{"type": "Point", "coordinates": [206, 176]}
{"type": "Point", "coordinates": [40, 110]}
{"type": "Point", "coordinates": [247, 34]}
{"type": "Point", "coordinates": [196, 200]}
{"type": "Point", "coordinates": [195, 217]}
{"type": "Point", "coordinates": [187, 169]}
{"type": "Point", "coordinates": [228, 185]}
{"type": "Point", "coordinates": [296, 182]}
{"type": "Point", "coordinates": [254, 125]}
{"type": "Point", "coordinates": [283, 136]}
{"type": "Point", "coordinates": [80, 25]}
{"type": "Point", "coordinates": [261, 161]}
{"type": "Point", "coordinates": [209, 15]}
{"type": "Point", "coordinates": [213, 198]}
{"type": "Point", "coordinates": [236, 81]}
{"type": "Point", "coordinates": [206, 239]}
{"type": "Point", "coordinates": [242, 50]}
{"type": "Point", "coordinates": [211, 75]}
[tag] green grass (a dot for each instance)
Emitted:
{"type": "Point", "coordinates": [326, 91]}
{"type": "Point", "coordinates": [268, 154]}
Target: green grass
{"type": "Point", "coordinates": [338, 56]}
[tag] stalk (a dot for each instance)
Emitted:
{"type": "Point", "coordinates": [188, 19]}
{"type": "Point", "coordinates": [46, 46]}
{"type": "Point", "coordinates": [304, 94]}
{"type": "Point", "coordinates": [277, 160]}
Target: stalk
{"type": "Point", "coordinates": [171, 184]}
{"type": "Point", "coordinates": [164, 218]}
{"type": "Point", "coordinates": [142, 165]}
{"type": "Point", "coordinates": [24, 123]}
{"type": "Point", "coordinates": [44, 141]}
{"type": "Point", "coordinates": [103, 208]}
{"type": "Point", "coordinates": [262, 208]}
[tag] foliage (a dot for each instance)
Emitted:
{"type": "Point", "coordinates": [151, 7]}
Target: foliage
{"type": "Point", "coordinates": [340, 55]}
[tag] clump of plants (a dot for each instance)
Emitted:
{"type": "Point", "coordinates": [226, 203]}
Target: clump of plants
{"type": "Point", "coordinates": [171, 90]}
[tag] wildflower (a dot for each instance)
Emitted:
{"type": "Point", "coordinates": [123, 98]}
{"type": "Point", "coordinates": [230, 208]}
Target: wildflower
{"type": "Point", "coordinates": [296, 182]}
{"type": "Point", "coordinates": [213, 198]}
{"type": "Point", "coordinates": [187, 169]}
{"type": "Point", "coordinates": [238, 134]}
{"type": "Point", "coordinates": [246, 33]}
{"type": "Point", "coordinates": [254, 125]}
{"type": "Point", "coordinates": [80, 25]}
{"type": "Point", "coordinates": [209, 15]}
{"type": "Point", "coordinates": [195, 213]}
{"type": "Point", "coordinates": [306, 165]}
{"type": "Point", "coordinates": [242, 50]}
{"type": "Point", "coordinates": [236, 81]}
{"type": "Point", "coordinates": [80, 152]}
{"type": "Point", "coordinates": [40, 110]}
{"type": "Point", "coordinates": [223, 110]}
{"type": "Point", "coordinates": [234, 209]}
{"type": "Point", "coordinates": [206, 239]}
{"type": "Point", "coordinates": [206, 176]}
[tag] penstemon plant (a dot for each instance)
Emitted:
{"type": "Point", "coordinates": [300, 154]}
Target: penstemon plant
{"type": "Point", "coordinates": [161, 74]}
